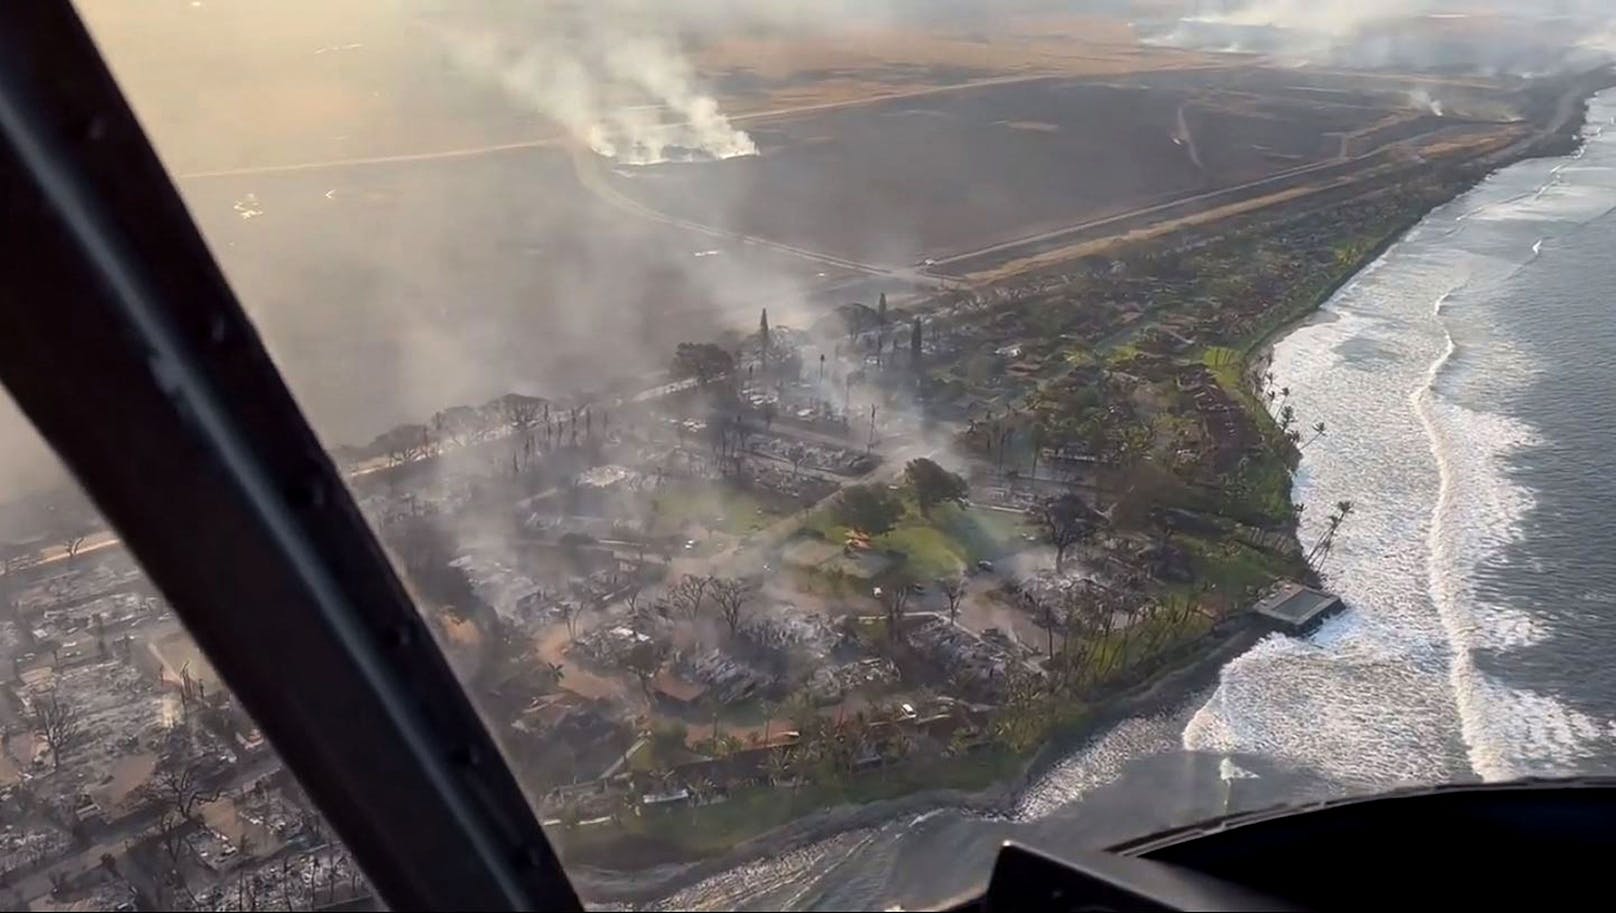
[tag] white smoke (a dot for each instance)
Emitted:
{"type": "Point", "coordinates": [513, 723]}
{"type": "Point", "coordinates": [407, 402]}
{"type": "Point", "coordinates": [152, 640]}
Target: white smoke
{"type": "Point", "coordinates": [1602, 43]}
{"type": "Point", "coordinates": [1483, 37]}
{"type": "Point", "coordinates": [1421, 98]}
{"type": "Point", "coordinates": [1314, 16]}
{"type": "Point", "coordinates": [623, 89]}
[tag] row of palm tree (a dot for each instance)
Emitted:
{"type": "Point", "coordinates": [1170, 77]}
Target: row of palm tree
{"type": "Point", "coordinates": [1326, 541]}
{"type": "Point", "coordinates": [832, 749]}
{"type": "Point", "coordinates": [1284, 414]}
{"type": "Point", "coordinates": [1102, 633]}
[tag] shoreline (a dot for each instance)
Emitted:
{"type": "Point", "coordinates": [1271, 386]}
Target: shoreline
{"type": "Point", "coordinates": [1174, 681]}
{"type": "Point", "coordinates": [1560, 142]}
{"type": "Point", "coordinates": [1171, 685]}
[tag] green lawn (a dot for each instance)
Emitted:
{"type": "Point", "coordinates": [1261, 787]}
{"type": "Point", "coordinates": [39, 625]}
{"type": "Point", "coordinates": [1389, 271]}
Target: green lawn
{"type": "Point", "coordinates": [1263, 493]}
{"type": "Point", "coordinates": [929, 552]}
{"type": "Point", "coordinates": [952, 539]}
{"type": "Point", "coordinates": [825, 522]}
{"type": "Point", "coordinates": [714, 505]}
{"type": "Point", "coordinates": [1234, 567]}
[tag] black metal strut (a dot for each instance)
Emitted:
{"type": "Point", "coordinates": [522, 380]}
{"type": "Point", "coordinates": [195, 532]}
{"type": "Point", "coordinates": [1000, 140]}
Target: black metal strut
{"type": "Point", "coordinates": [123, 344]}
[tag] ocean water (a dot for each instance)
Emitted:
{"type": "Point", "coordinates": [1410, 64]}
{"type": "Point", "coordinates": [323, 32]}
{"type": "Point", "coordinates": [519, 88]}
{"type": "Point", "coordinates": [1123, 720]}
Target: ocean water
{"type": "Point", "coordinates": [1467, 380]}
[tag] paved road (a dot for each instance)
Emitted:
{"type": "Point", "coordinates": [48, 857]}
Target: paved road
{"type": "Point", "coordinates": [370, 160]}
{"type": "Point", "coordinates": [1269, 182]}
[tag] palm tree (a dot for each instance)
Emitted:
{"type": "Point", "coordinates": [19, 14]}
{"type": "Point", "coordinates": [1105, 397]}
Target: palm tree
{"type": "Point", "coordinates": [899, 745]}
{"type": "Point", "coordinates": [703, 789]}
{"type": "Point", "coordinates": [1120, 654]}
{"type": "Point", "coordinates": [625, 805]}
{"type": "Point", "coordinates": [713, 707]}
{"type": "Point", "coordinates": [1318, 432]}
{"type": "Point", "coordinates": [958, 744]}
{"type": "Point", "coordinates": [769, 708]}
{"type": "Point", "coordinates": [802, 713]}
{"type": "Point", "coordinates": [1045, 616]}
{"type": "Point", "coordinates": [1321, 549]}
{"type": "Point", "coordinates": [779, 765]}
{"type": "Point", "coordinates": [855, 738]}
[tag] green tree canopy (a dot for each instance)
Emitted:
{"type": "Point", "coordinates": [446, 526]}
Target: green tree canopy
{"type": "Point", "coordinates": [933, 485]}
{"type": "Point", "coordinates": [702, 360]}
{"type": "Point", "coordinates": [870, 509]}
{"type": "Point", "coordinates": [1065, 521]}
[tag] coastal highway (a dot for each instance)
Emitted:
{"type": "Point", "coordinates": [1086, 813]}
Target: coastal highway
{"type": "Point", "coordinates": [1341, 165]}
{"type": "Point", "coordinates": [1121, 223]}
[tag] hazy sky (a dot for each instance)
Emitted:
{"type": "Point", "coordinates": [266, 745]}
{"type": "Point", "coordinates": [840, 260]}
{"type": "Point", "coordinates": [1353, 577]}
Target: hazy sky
{"type": "Point", "coordinates": [224, 84]}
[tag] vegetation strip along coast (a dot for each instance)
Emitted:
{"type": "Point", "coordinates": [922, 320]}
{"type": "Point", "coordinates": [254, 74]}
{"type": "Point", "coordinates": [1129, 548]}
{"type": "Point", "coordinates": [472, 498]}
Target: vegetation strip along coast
{"type": "Point", "coordinates": [1137, 384]}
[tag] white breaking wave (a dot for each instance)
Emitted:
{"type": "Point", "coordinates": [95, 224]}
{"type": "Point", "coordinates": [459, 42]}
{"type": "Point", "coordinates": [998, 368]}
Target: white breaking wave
{"type": "Point", "coordinates": [797, 871]}
{"type": "Point", "coordinates": [1475, 509]}
{"type": "Point", "coordinates": [1388, 692]}
{"type": "Point", "coordinates": [1373, 697]}
{"type": "Point", "coordinates": [1100, 762]}
{"type": "Point", "coordinates": [1511, 732]}
{"type": "Point", "coordinates": [1365, 700]}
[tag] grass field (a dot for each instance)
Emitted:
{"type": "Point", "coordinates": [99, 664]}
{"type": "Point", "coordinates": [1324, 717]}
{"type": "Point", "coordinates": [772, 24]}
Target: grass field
{"type": "Point", "coordinates": [952, 539]}
{"type": "Point", "coordinates": [1234, 567]}
{"type": "Point", "coordinates": [714, 506]}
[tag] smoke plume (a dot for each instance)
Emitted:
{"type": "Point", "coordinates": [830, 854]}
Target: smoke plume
{"type": "Point", "coordinates": [1421, 98]}
{"type": "Point", "coordinates": [624, 90]}
{"type": "Point", "coordinates": [1481, 37]}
